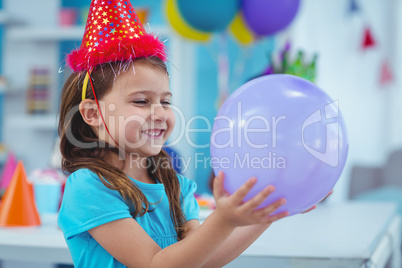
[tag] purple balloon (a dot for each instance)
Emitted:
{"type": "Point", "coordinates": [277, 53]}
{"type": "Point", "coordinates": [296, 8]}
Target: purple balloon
{"type": "Point", "coordinates": [266, 17]}
{"type": "Point", "coordinates": [286, 132]}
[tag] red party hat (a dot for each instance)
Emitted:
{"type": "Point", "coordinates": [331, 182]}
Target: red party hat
{"type": "Point", "coordinates": [113, 33]}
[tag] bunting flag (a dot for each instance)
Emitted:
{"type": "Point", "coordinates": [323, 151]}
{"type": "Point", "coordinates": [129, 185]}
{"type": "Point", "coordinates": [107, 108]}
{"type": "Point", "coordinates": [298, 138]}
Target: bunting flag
{"type": "Point", "coordinates": [368, 39]}
{"type": "Point", "coordinates": [386, 74]}
{"type": "Point", "coordinates": [353, 6]}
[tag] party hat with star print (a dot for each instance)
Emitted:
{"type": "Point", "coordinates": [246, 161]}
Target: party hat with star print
{"type": "Point", "coordinates": [113, 33]}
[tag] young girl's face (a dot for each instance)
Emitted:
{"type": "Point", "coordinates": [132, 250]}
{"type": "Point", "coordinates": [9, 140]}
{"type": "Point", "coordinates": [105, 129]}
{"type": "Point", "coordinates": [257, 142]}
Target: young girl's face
{"type": "Point", "coordinates": [138, 112]}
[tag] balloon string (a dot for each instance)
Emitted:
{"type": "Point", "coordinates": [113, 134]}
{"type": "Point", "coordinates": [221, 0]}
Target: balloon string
{"type": "Point", "coordinates": [97, 103]}
{"type": "Point", "coordinates": [240, 64]}
{"type": "Point", "coordinates": [223, 70]}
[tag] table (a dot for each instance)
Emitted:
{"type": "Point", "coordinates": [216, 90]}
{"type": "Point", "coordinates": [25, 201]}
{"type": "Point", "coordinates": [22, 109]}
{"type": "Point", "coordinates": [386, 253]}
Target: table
{"type": "Point", "coordinates": [346, 235]}
{"type": "Point", "coordinates": [44, 243]}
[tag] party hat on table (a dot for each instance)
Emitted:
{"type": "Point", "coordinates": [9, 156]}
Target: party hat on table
{"type": "Point", "coordinates": [113, 33]}
{"type": "Point", "coordinates": [18, 204]}
{"type": "Point", "coordinates": [8, 171]}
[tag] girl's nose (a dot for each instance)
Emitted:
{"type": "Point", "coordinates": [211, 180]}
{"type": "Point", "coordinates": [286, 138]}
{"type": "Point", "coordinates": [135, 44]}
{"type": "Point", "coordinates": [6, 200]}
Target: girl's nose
{"type": "Point", "coordinates": [158, 113]}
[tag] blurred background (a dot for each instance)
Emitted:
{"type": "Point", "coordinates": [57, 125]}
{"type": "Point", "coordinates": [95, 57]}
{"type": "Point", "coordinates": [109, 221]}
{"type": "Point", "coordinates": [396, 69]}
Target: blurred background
{"type": "Point", "coordinates": [351, 49]}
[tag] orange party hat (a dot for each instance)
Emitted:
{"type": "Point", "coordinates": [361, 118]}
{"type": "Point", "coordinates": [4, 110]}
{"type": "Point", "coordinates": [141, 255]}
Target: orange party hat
{"type": "Point", "coordinates": [113, 33]}
{"type": "Point", "coordinates": [18, 204]}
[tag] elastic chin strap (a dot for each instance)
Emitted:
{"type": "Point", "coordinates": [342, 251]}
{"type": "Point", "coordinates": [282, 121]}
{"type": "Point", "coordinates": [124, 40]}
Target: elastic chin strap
{"type": "Point", "coordinates": [84, 93]}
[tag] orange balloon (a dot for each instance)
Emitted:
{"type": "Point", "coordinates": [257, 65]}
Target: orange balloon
{"type": "Point", "coordinates": [142, 14]}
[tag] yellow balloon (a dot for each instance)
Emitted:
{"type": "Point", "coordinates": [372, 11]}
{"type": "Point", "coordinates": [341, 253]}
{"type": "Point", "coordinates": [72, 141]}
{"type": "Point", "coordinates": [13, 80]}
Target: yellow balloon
{"type": "Point", "coordinates": [240, 30]}
{"type": "Point", "coordinates": [180, 25]}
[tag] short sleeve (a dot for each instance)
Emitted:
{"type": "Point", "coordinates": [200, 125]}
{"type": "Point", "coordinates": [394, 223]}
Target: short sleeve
{"type": "Point", "coordinates": [189, 204]}
{"type": "Point", "coordinates": [88, 203]}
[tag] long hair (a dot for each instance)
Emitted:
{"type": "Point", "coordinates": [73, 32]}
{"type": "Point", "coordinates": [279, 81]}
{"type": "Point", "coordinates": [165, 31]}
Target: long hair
{"type": "Point", "coordinates": [74, 156]}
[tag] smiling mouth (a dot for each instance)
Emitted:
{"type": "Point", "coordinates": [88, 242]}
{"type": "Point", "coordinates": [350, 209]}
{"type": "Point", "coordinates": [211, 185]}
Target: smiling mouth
{"type": "Point", "coordinates": [156, 133]}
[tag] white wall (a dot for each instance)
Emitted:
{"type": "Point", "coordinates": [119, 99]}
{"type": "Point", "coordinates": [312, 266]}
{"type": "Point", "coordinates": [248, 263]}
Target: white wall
{"type": "Point", "coordinates": [351, 75]}
{"type": "Point", "coordinates": [396, 100]}
{"type": "Point", "coordinates": [30, 145]}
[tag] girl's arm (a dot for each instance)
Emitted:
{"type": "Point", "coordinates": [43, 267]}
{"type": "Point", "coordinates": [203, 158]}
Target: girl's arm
{"type": "Point", "coordinates": [130, 244]}
{"type": "Point", "coordinates": [238, 241]}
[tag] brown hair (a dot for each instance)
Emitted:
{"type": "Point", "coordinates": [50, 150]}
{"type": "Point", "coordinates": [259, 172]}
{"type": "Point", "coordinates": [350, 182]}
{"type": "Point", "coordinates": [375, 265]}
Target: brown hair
{"type": "Point", "coordinates": [94, 158]}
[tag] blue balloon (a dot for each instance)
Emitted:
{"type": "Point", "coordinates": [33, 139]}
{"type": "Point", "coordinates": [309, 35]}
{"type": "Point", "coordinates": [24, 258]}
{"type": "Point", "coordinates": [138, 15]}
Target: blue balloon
{"type": "Point", "coordinates": [209, 15]}
{"type": "Point", "coordinates": [176, 159]}
{"type": "Point", "coordinates": [267, 17]}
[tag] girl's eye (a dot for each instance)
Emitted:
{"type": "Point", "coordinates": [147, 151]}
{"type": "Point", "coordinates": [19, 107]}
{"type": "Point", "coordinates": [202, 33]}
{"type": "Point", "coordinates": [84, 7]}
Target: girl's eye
{"type": "Point", "coordinates": [145, 102]}
{"type": "Point", "coordinates": [139, 102]}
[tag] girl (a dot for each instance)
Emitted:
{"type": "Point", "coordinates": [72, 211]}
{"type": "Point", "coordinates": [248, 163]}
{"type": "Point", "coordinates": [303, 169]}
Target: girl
{"type": "Point", "coordinates": [124, 205]}
{"type": "Point", "coordinates": [117, 212]}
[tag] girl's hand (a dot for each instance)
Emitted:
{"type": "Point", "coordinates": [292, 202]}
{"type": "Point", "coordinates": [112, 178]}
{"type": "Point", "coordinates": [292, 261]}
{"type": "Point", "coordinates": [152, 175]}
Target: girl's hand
{"type": "Point", "coordinates": [315, 206]}
{"type": "Point", "coordinates": [234, 212]}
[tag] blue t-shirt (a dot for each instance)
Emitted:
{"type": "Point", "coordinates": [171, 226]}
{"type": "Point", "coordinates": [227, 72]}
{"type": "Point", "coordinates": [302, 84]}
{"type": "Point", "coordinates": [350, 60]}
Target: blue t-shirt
{"type": "Point", "coordinates": [88, 203]}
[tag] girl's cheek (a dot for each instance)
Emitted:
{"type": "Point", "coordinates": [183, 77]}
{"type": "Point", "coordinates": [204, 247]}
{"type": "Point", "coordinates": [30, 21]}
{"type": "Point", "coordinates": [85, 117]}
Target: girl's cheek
{"type": "Point", "coordinates": [132, 131]}
{"type": "Point", "coordinates": [171, 119]}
